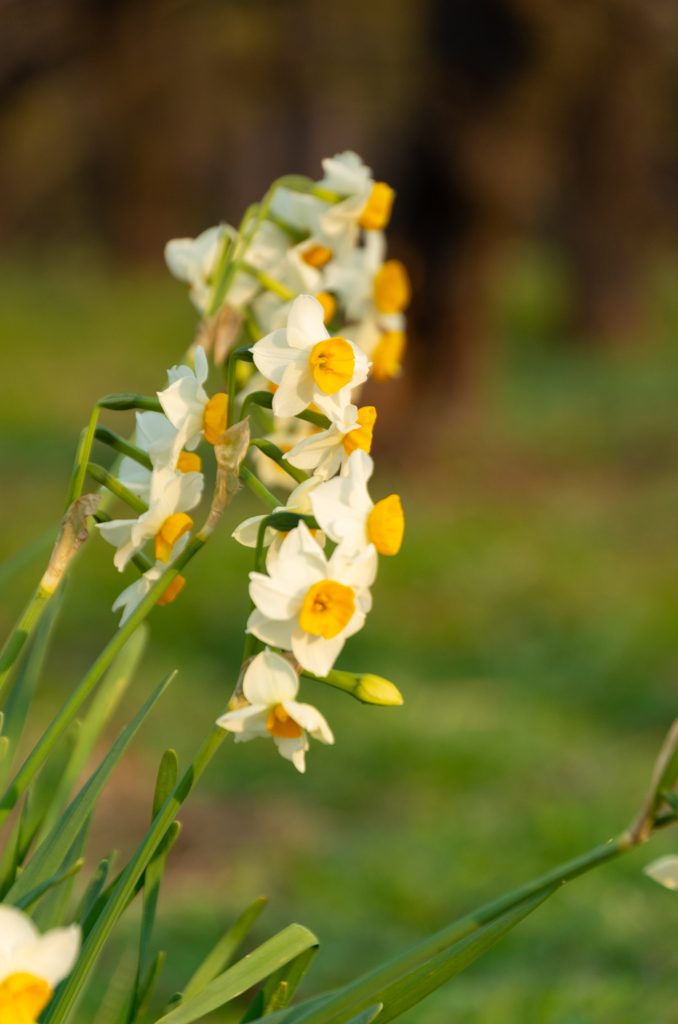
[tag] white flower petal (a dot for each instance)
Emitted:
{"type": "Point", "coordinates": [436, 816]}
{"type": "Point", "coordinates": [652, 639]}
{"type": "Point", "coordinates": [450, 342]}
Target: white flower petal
{"type": "Point", "coordinates": [664, 870]}
{"type": "Point", "coordinates": [314, 652]}
{"type": "Point", "coordinates": [293, 750]}
{"type": "Point", "coordinates": [51, 957]}
{"type": "Point", "coordinates": [272, 355]}
{"type": "Point", "coordinates": [249, 719]}
{"type": "Point", "coordinates": [270, 680]}
{"type": "Point", "coordinates": [305, 323]}
{"type": "Point", "coordinates": [296, 390]}
{"type": "Point", "coordinates": [200, 365]}
{"type": "Point", "coordinates": [16, 929]}
{"type": "Point", "coordinates": [248, 532]}
{"type": "Point", "coordinates": [310, 719]}
{"type": "Point", "coordinates": [273, 598]}
{"type": "Point", "coordinates": [276, 633]}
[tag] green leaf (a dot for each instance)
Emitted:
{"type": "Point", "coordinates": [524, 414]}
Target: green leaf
{"type": "Point", "coordinates": [129, 881]}
{"type": "Point", "coordinates": [53, 906]}
{"type": "Point", "coordinates": [149, 983]}
{"type": "Point", "coordinates": [168, 773]}
{"type": "Point", "coordinates": [104, 705]}
{"type": "Point", "coordinates": [215, 962]}
{"type": "Point", "coordinates": [50, 853]}
{"type": "Point", "coordinates": [41, 793]}
{"type": "Point", "coordinates": [94, 889]}
{"type": "Point", "coordinates": [21, 695]}
{"type": "Point", "coordinates": [34, 895]}
{"type": "Point", "coordinates": [280, 986]}
{"type": "Point", "coordinates": [368, 1015]}
{"type": "Point", "coordinates": [259, 964]}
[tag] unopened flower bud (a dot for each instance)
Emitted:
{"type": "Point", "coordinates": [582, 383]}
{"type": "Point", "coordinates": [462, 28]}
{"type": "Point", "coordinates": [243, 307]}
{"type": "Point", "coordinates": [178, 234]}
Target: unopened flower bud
{"type": "Point", "coordinates": [375, 690]}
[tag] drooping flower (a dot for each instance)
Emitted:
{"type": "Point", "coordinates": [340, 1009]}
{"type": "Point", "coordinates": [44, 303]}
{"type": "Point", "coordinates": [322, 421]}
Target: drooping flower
{"type": "Point", "coordinates": [172, 495]}
{"type": "Point", "coordinates": [299, 501]}
{"type": "Point", "coordinates": [132, 596]}
{"type": "Point", "coordinates": [195, 260]}
{"type": "Point", "coordinates": [189, 409]}
{"type": "Point", "coordinates": [270, 685]}
{"type": "Point", "coordinates": [326, 452]}
{"type": "Point", "coordinates": [310, 605]}
{"type": "Point", "coordinates": [31, 964]}
{"type": "Point", "coordinates": [347, 514]}
{"type": "Point", "coordinates": [308, 365]}
{"type": "Point", "coordinates": [155, 435]}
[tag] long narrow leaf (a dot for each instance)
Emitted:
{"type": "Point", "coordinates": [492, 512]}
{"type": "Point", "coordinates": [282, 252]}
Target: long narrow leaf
{"type": "Point", "coordinates": [21, 695]}
{"type": "Point", "coordinates": [217, 960]}
{"type": "Point", "coordinates": [50, 853]}
{"type": "Point", "coordinates": [130, 879]}
{"type": "Point", "coordinates": [34, 895]}
{"type": "Point", "coordinates": [104, 705]}
{"type": "Point", "coordinates": [368, 1015]}
{"type": "Point", "coordinates": [280, 987]}
{"type": "Point", "coordinates": [52, 907]}
{"type": "Point", "coordinates": [42, 790]}
{"type": "Point", "coordinates": [266, 959]}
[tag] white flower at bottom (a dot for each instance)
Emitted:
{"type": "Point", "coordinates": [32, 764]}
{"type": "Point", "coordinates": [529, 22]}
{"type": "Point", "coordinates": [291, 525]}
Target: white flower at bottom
{"type": "Point", "coordinates": [31, 964]}
{"type": "Point", "coordinates": [309, 605]}
{"type": "Point", "coordinates": [347, 514]}
{"type": "Point", "coordinates": [270, 685]}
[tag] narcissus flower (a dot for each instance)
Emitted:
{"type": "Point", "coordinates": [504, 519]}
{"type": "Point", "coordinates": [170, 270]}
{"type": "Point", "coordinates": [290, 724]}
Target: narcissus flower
{"type": "Point", "coordinates": [326, 452]}
{"type": "Point", "coordinates": [132, 596]}
{"type": "Point", "coordinates": [195, 260]}
{"type": "Point", "coordinates": [155, 435]}
{"type": "Point", "coordinates": [189, 409]}
{"type": "Point", "coordinates": [299, 501]}
{"type": "Point", "coordinates": [31, 964]}
{"type": "Point", "coordinates": [347, 514]}
{"type": "Point", "coordinates": [307, 364]}
{"type": "Point", "coordinates": [310, 605]}
{"type": "Point", "coordinates": [270, 685]}
{"type": "Point", "coordinates": [172, 495]}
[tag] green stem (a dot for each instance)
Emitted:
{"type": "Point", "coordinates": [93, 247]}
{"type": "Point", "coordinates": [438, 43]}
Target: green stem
{"type": "Point", "coordinates": [295, 233]}
{"type": "Point", "coordinates": [273, 452]}
{"type": "Point", "coordinates": [103, 477]}
{"type": "Point", "coordinates": [114, 440]}
{"type": "Point", "coordinates": [256, 485]}
{"type": "Point", "coordinates": [19, 635]}
{"type": "Point", "coordinates": [77, 484]}
{"type": "Point", "coordinates": [316, 418]}
{"type": "Point", "coordinates": [244, 354]}
{"type": "Point", "coordinates": [270, 283]}
{"type": "Point", "coordinates": [42, 749]}
{"type": "Point", "coordinates": [264, 399]}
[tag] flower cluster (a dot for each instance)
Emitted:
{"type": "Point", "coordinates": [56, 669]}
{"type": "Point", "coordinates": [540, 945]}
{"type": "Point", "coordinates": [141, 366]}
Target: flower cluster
{"type": "Point", "coordinates": [329, 244]}
{"type": "Point", "coordinates": [313, 276]}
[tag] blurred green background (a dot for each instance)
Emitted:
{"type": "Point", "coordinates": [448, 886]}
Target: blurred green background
{"type": "Point", "coordinates": [530, 621]}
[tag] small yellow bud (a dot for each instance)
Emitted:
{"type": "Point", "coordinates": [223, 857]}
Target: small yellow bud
{"type": "Point", "coordinates": [189, 462]}
{"type": "Point", "coordinates": [377, 212]}
{"type": "Point", "coordinates": [329, 304]}
{"type": "Point", "coordinates": [214, 417]}
{"type": "Point", "coordinates": [392, 288]}
{"type": "Point", "coordinates": [388, 355]}
{"type": "Point", "coordinates": [375, 690]}
{"type": "Point", "coordinates": [317, 256]}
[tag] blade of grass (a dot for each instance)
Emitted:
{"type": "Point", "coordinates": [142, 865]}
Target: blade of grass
{"type": "Point", "coordinates": [216, 961]}
{"type": "Point", "coordinates": [49, 854]}
{"type": "Point", "coordinates": [263, 961]}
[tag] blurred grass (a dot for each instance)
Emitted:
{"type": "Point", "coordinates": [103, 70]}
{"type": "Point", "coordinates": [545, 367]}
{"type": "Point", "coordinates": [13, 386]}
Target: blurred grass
{"type": "Point", "coordinates": [531, 622]}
